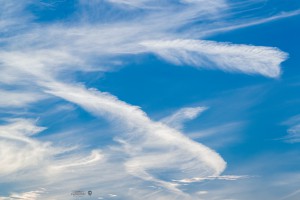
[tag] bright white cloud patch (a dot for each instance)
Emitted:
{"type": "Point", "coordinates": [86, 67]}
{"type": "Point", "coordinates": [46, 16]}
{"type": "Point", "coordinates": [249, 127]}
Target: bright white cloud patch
{"type": "Point", "coordinates": [228, 57]}
{"type": "Point", "coordinates": [17, 150]}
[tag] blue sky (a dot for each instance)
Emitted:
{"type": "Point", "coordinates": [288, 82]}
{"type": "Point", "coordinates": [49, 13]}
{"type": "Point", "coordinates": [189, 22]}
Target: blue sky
{"type": "Point", "coordinates": [141, 99]}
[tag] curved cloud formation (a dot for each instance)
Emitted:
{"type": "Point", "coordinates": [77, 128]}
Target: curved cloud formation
{"type": "Point", "coordinates": [43, 57]}
{"type": "Point", "coordinates": [14, 137]}
{"type": "Point", "coordinates": [152, 146]}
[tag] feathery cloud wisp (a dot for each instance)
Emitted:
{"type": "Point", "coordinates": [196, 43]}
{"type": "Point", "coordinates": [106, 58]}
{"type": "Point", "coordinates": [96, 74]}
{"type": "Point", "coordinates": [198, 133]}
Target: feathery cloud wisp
{"type": "Point", "coordinates": [177, 119]}
{"type": "Point", "coordinates": [181, 152]}
{"type": "Point", "coordinates": [228, 57]}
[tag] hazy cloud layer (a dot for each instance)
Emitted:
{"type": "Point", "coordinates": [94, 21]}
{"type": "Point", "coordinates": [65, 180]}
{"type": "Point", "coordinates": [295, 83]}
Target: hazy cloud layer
{"type": "Point", "coordinates": [144, 156]}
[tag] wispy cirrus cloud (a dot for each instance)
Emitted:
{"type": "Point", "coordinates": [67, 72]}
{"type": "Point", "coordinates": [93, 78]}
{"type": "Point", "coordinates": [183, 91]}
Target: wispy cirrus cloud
{"type": "Point", "coordinates": [32, 195]}
{"type": "Point", "coordinates": [16, 136]}
{"type": "Point", "coordinates": [293, 131]}
{"type": "Point", "coordinates": [293, 134]}
{"type": "Point", "coordinates": [79, 45]}
{"type": "Point", "coordinates": [283, 181]}
{"type": "Point", "coordinates": [177, 119]}
{"type": "Point", "coordinates": [228, 57]}
{"type": "Point", "coordinates": [43, 57]}
{"type": "Point", "coordinates": [224, 177]}
{"type": "Point", "coordinates": [145, 134]}
{"type": "Point", "coordinates": [13, 16]}
{"type": "Point", "coordinates": [19, 98]}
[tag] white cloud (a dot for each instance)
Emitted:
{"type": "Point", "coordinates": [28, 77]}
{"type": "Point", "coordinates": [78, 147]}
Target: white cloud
{"type": "Point", "coordinates": [13, 16]}
{"type": "Point", "coordinates": [211, 7]}
{"type": "Point", "coordinates": [228, 127]}
{"type": "Point", "coordinates": [252, 22]}
{"type": "Point", "coordinates": [228, 57]}
{"type": "Point", "coordinates": [227, 134]}
{"type": "Point", "coordinates": [43, 56]}
{"type": "Point", "coordinates": [268, 180]}
{"type": "Point", "coordinates": [293, 134]}
{"type": "Point", "coordinates": [224, 177]}
{"type": "Point", "coordinates": [146, 140]}
{"type": "Point", "coordinates": [17, 150]}
{"type": "Point", "coordinates": [25, 158]}
{"type": "Point", "coordinates": [18, 98]}
{"type": "Point", "coordinates": [177, 119]}
{"type": "Point", "coordinates": [69, 162]}
{"type": "Point", "coordinates": [148, 150]}
{"type": "Point", "coordinates": [293, 131]}
{"type": "Point", "coordinates": [43, 51]}
{"type": "Point", "coordinates": [32, 195]}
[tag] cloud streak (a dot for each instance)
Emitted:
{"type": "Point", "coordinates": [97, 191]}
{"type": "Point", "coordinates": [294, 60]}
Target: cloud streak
{"type": "Point", "coordinates": [177, 119]}
{"type": "Point", "coordinates": [293, 131]}
{"type": "Point", "coordinates": [228, 57]}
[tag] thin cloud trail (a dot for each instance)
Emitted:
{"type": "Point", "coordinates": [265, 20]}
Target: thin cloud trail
{"type": "Point", "coordinates": [250, 23]}
{"type": "Point", "coordinates": [228, 57]}
{"type": "Point", "coordinates": [177, 119]}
